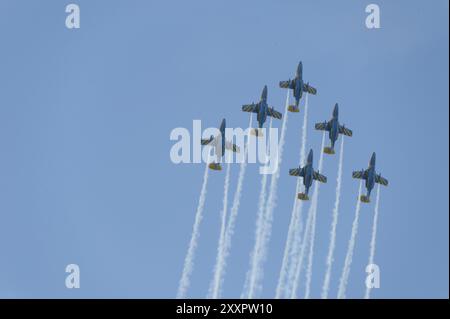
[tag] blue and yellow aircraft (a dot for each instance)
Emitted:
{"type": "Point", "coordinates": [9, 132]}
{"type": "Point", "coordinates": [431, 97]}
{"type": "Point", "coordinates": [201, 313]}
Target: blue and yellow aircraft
{"type": "Point", "coordinates": [263, 110]}
{"type": "Point", "coordinates": [371, 177]}
{"type": "Point", "coordinates": [334, 129]}
{"type": "Point", "coordinates": [220, 144]}
{"type": "Point", "coordinates": [298, 87]}
{"type": "Point", "coordinates": [308, 174]}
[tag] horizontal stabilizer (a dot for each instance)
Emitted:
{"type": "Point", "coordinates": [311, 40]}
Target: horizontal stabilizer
{"type": "Point", "coordinates": [328, 150]}
{"type": "Point", "coordinates": [293, 109]}
{"type": "Point", "coordinates": [364, 199]}
{"type": "Point", "coordinates": [232, 147]}
{"type": "Point", "coordinates": [303, 196]}
{"type": "Point", "coordinates": [257, 132]}
{"type": "Point", "coordinates": [215, 166]}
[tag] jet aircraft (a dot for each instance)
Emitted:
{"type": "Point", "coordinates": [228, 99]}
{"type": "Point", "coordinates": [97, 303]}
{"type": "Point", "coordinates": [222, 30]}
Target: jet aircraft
{"type": "Point", "coordinates": [263, 110]}
{"type": "Point", "coordinates": [220, 144]}
{"type": "Point", "coordinates": [371, 177]}
{"type": "Point", "coordinates": [298, 87]}
{"type": "Point", "coordinates": [308, 174]}
{"type": "Point", "coordinates": [334, 129]}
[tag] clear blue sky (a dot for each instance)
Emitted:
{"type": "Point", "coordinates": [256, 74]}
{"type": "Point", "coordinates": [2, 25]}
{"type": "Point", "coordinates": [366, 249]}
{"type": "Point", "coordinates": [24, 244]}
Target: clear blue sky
{"type": "Point", "coordinates": [85, 117]}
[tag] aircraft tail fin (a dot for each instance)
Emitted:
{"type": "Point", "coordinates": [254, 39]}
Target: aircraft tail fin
{"type": "Point", "coordinates": [364, 199]}
{"type": "Point", "coordinates": [215, 166]}
{"type": "Point", "coordinates": [302, 196]}
{"type": "Point", "coordinates": [328, 150]}
{"type": "Point", "coordinates": [293, 108]}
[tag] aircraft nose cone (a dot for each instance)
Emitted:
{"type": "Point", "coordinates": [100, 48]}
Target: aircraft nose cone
{"type": "Point", "coordinates": [300, 67]}
{"type": "Point", "coordinates": [310, 155]}
{"type": "Point", "coordinates": [264, 92]}
{"type": "Point", "coordinates": [336, 110]}
{"type": "Point", "coordinates": [373, 158]}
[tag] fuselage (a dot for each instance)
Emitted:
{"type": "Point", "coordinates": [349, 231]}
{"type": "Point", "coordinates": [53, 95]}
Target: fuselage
{"type": "Point", "coordinates": [370, 180]}
{"type": "Point", "coordinates": [220, 148]}
{"type": "Point", "coordinates": [334, 126]}
{"type": "Point", "coordinates": [308, 171]}
{"type": "Point", "coordinates": [262, 113]}
{"type": "Point", "coordinates": [298, 88]}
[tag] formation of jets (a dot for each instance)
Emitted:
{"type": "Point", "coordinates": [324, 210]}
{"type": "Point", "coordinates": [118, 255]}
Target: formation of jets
{"type": "Point", "coordinates": [307, 172]}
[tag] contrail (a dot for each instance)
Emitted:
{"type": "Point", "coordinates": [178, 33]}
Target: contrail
{"type": "Point", "coordinates": [225, 250]}
{"type": "Point", "coordinates": [310, 229]}
{"type": "Point", "coordinates": [351, 246]}
{"type": "Point", "coordinates": [189, 260]}
{"type": "Point", "coordinates": [257, 275]}
{"type": "Point", "coordinates": [295, 223]}
{"type": "Point", "coordinates": [258, 230]}
{"type": "Point", "coordinates": [332, 245]}
{"type": "Point", "coordinates": [314, 205]}
{"type": "Point", "coordinates": [374, 237]}
{"type": "Point", "coordinates": [214, 287]}
{"type": "Point", "coordinates": [298, 228]}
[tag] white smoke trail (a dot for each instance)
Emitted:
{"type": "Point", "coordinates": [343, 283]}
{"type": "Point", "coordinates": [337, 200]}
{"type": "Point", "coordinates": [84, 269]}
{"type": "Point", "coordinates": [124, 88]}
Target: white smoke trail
{"type": "Point", "coordinates": [374, 237]}
{"type": "Point", "coordinates": [307, 232]}
{"type": "Point", "coordinates": [332, 245]}
{"type": "Point", "coordinates": [314, 205]}
{"type": "Point", "coordinates": [351, 246]}
{"type": "Point", "coordinates": [257, 275]}
{"type": "Point", "coordinates": [295, 226]}
{"type": "Point", "coordinates": [189, 260]}
{"type": "Point", "coordinates": [214, 287]}
{"type": "Point", "coordinates": [224, 252]}
{"type": "Point", "coordinates": [258, 231]}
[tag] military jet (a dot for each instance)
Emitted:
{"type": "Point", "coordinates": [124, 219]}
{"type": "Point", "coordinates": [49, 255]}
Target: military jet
{"type": "Point", "coordinates": [308, 174]}
{"type": "Point", "coordinates": [298, 87]}
{"type": "Point", "coordinates": [262, 110]}
{"type": "Point", "coordinates": [220, 144]}
{"type": "Point", "coordinates": [371, 177]}
{"type": "Point", "coordinates": [334, 129]}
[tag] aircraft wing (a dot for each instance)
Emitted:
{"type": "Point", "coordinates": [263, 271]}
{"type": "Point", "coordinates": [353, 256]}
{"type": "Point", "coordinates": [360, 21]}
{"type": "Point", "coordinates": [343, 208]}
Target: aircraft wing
{"type": "Point", "coordinates": [212, 141]}
{"type": "Point", "coordinates": [309, 89]}
{"type": "Point", "coordinates": [232, 147]}
{"type": "Point", "coordinates": [345, 131]}
{"type": "Point", "coordinates": [297, 172]}
{"type": "Point", "coordinates": [362, 174]}
{"type": "Point", "coordinates": [275, 114]}
{"type": "Point", "coordinates": [287, 84]}
{"type": "Point", "coordinates": [252, 108]}
{"type": "Point", "coordinates": [324, 126]}
{"type": "Point", "coordinates": [205, 141]}
{"type": "Point", "coordinates": [209, 141]}
{"type": "Point", "coordinates": [381, 180]}
{"type": "Point", "coordinates": [319, 177]}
